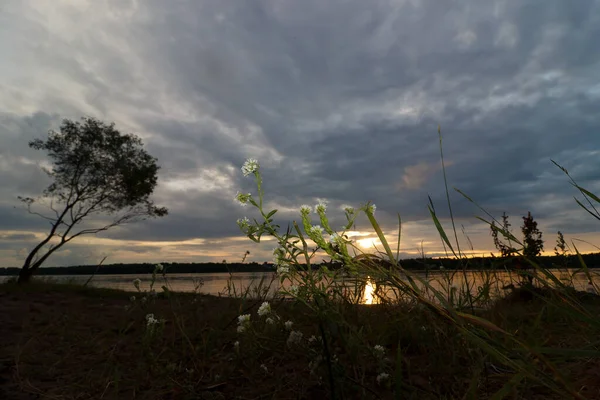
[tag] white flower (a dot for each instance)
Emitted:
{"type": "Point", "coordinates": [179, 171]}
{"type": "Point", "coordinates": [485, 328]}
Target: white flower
{"type": "Point", "coordinates": [278, 255]}
{"type": "Point", "coordinates": [264, 368]}
{"type": "Point", "coordinates": [294, 290]}
{"type": "Point", "coordinates": [334, 238]}
{"type": "Point", "coordinates": [243, 198]}
{"type": "Point", "coordinates": [243, 223]}
{"type": "Point", "coordinates": [316, 230]}
{"type": "Point", "coordinates": [288, 325]}
{"type": "Point", "coordinates": [379, 351]}
{"type": "Point", "coordinates": [136, 283]}
{"type": "Point", "coordinates": [312, 339]}
{"type": "Point", "coordinates": [321, 207]}
{"type": "Point", "coordinates": [382, 376]}
{"type": "Point", "coordinates": [243, 322]}
{"type": "Point", "coordinates": [283, 269]}
{"type": "Point", "coordinates": [371, 208]}
{"type": "Point", "coordinates": [294, 338]}
{"type": "Point", "coordinates": [264, 309]}
{"type": "Point", "coordinates": [305, 209]}
{"type": "Point", "coordinates": [236, 345]}
{"type": "Point", "coordinates": [150, 320]}
{"type": "Point", "coordinates": [270, 321]}
{"type": "Point", "coordinates": [158, 268]}
{"type": "Point", "coordinates": [144, 299]}
{"type": "Point", "coordinates": [132, 298]}
{"type": "Point", "coordinates": [250, 166]}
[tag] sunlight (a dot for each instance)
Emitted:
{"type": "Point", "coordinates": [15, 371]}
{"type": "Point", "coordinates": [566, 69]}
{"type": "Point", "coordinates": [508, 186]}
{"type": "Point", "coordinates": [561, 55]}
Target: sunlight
{"type": "Point", "coordinates": [369, 296]}
{"type": "Point", "coordinates": [368, 243]}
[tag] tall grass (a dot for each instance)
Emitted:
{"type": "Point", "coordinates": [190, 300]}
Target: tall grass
{"type": "Point", "coordinates": [453, 302]}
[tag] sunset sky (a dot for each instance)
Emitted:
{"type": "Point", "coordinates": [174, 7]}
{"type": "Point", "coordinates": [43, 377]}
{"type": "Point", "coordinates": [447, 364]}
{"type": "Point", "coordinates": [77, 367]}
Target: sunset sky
{"type": "Point", "coordinates": [338, 100]}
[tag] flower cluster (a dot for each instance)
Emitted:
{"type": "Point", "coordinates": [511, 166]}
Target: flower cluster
{"type": "Point", "coordinates": [243, 323]}
{"type": "Point", "coordinates": [264, 309]}
{"type": "Point", "coordinates": [243, 198]}
{"type": "Point", "coordinates": [382, 377]}
{"type": "Point", "coordinates": [251, 166]}
{"type": "Point", "coordinates": [294, 290]}
{"type": "Point", "coordinates": [243, 223]}
{"type": "Point", "coordinates": [371, 208]}
{"type": "Point", "coordinates": [379, 351]}
{"type": "Point", "coordinates": [321, 207]}
{"type": "Point", "coordinates": [294, 338]}
{"type": "Point", "coordinates": [151, 320]}
{"type": "Point", "coordinates": [305, 209]}
{"type": "Point", "coordinates": [283, 269]}
{"type": "Point", "coordinates": [316, 233]}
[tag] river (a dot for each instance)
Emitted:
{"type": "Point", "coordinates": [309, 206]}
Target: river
{"type": "Point", "coordinates": [237, 283]}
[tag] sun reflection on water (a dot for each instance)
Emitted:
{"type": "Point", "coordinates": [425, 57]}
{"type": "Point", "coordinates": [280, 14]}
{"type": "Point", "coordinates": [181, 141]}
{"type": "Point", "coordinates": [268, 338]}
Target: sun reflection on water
{"type": "Point", "coordinates": [369, 296]}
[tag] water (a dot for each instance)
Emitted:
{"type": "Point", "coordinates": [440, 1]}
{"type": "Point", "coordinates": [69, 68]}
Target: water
{"type": "Point", "coordinates": [225, 284]}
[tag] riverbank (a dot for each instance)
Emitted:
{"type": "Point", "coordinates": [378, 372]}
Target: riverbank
{"type": "Point", "coordinates": [67, 342]}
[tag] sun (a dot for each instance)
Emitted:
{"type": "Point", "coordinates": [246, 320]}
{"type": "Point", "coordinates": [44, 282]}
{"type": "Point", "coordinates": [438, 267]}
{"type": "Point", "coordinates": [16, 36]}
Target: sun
{"type": "Point", "coordinates": [368, 243]}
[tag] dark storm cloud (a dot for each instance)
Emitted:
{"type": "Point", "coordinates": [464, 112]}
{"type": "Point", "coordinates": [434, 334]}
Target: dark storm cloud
{"type": "Point", "coordinates": [338, 100]}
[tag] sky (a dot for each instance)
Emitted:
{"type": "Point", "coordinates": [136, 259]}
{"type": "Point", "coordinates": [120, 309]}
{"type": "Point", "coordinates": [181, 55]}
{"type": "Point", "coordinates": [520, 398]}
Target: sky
{"type": "Point", "coordinates": [338, 100]}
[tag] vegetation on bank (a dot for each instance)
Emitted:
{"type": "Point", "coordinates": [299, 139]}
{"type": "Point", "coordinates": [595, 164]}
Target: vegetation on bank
{"type": "Point", "coordinates": [592, 260]}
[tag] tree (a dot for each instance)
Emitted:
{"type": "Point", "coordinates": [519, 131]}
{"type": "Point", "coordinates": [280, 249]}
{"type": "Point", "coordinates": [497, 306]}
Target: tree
{"type": "Point", "coordinates": [96, 170]}
{"type": "Point", "coordinates": [533, 245]}
{"type": "Point", "coordinates": [561, 249]}
{"type": "Point", "coordinates": [506, 250]}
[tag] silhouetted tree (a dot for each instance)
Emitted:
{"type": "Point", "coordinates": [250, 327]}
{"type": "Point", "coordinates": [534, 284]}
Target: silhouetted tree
{"type": "Point", "coordinates": [96, 170]}
{"type": "Point", "coordinates": [533, 245]}
{"type": "Point", "coordinates": [561, 249]}
{"type": "Point", "coordinates": [506, 250]}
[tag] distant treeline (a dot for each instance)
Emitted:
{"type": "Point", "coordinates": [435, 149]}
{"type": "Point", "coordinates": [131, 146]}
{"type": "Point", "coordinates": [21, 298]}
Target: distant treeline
{"type": "Point", "coordinates": [592, 261]}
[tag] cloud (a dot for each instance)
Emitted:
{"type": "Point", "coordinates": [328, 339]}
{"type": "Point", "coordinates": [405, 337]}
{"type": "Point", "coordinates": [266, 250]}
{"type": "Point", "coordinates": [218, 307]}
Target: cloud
{"type": "Point", "coordinates": [338, 100]}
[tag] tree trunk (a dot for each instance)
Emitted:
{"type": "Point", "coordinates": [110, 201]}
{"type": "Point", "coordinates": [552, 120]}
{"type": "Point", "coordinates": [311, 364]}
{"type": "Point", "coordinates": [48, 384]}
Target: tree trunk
{"type": "Point", "coordinates": [25, 275]}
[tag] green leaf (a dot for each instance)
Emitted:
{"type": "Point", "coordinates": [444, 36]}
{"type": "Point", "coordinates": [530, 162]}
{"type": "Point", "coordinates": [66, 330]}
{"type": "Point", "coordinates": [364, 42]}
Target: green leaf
{"type": "Point", "coordinates": [588, 193]}
{"type": "Point", "coordinates": [269, 215]}
{"type": "Point", "coordinates": [586, 209]}
{"type": "Point", "coordinates": [440, 229]}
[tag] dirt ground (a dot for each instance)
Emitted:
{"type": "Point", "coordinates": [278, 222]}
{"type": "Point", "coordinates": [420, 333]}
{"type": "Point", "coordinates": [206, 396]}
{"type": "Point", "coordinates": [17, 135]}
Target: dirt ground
{"type": "Point", "coordinates": [74, 344]}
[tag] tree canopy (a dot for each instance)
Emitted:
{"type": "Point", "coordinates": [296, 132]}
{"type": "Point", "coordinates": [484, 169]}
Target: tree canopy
{"type": "Point", "coordinates": [96, 170]}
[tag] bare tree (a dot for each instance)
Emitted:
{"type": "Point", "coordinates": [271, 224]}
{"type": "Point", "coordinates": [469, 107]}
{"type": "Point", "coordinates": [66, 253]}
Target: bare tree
{"type": "Point", "coordinates": [96, 170]}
